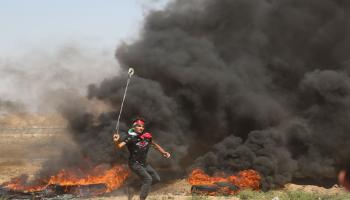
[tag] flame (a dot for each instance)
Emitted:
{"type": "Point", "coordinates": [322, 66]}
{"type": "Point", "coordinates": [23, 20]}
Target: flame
{"type": "Point", "coordinates": [112, 178]}
{"type": "Point", "coordinates": [246, 179]}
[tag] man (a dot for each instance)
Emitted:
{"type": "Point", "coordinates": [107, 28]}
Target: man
{"type": "Point", "coordinates": [344, 178]}
{"type": "Point", "coordinates": [138, 142]}
{"type": "Point", "coordinates": [343, 165]}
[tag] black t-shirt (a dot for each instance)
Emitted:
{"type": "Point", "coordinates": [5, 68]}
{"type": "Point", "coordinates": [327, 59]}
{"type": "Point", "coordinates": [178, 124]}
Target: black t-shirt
{"type": "Point", "coordinates": [138, 146]}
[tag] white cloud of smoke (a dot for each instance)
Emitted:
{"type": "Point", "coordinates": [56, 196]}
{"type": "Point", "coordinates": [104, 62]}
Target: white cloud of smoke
{"type": "Point", "coordinates": [38, 79]}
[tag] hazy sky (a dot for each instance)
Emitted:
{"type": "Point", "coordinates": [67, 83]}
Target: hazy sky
{"type": "Point", "coordinates": [47, 46]}
{"type": "Point", "coordinates": [33, 23]}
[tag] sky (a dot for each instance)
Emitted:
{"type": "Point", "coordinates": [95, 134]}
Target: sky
{"type": "Point", "coordinates": [27, 24]}
{"type": "Point", "coordinates": [52, 45]}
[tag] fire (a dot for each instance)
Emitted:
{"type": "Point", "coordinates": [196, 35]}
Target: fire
{"type": "Point", "coordinates": [214, 185]}
{"type": "Point", "coordinates": [112, 178]}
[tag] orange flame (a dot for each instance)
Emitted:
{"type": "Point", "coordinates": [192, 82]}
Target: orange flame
{"type": "Point", "coordinates": [246, 179]}
{"type": "Point", "coordinates": [112, 178]}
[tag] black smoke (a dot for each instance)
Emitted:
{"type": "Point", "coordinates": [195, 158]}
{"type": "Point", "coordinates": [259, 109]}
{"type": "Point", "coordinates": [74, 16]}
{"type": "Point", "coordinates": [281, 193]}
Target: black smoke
{"type": "Point", "coordinates": [235, 84]}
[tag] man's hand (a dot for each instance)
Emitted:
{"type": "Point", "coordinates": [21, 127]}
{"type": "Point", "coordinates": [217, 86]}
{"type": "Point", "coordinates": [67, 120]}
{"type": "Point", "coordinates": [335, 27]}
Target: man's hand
{"type": "Point", "coordinates": [166, 154]}
{"type": "Point", "coordinates": [116, 137]}
{"type": "Point", "coordinates": [161, 150]}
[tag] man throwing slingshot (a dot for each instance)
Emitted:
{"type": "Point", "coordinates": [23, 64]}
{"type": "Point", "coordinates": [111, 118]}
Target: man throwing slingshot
{"type": "Point", "coordinates": [138, 142]}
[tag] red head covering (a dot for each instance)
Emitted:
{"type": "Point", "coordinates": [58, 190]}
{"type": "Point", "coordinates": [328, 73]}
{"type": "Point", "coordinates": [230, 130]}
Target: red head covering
{"type": "Point", "coordinates": [139, 122]}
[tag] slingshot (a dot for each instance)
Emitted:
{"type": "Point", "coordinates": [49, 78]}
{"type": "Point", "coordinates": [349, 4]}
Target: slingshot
{"type": "Point", "coordinates": [131, 72]}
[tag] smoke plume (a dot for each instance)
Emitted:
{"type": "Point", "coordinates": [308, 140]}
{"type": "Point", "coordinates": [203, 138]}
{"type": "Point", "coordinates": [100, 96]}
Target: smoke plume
{"type": "Point", "coordinates": [228, 85]}
{"type": "Point", "coordinates": [40, 79]}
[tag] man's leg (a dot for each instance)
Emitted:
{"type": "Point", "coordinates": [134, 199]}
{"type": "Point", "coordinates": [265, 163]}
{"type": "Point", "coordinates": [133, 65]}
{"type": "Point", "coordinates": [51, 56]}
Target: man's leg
{"type": "Point", "coordinates": [153, 173]}
{"type": "Point", "coordinates": [145, 177]}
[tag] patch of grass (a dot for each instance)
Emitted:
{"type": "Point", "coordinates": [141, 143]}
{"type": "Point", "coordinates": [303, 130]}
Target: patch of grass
{"type": "Point", "coordinates": [198, 197]}
{"type": "Point", "coordinates": [249, 194]}
{"type": "Point", "coordinates": [298, 195]}
{"type": "Point", "coordinates": [289, 195]}
{"type": "Point", "coordinates": [344, 196]}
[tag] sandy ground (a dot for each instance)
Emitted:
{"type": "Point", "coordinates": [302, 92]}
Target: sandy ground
{"type": "Point", "coordinates": [24, 153]}
{"type": "Point", "coordinates": [20, 156]}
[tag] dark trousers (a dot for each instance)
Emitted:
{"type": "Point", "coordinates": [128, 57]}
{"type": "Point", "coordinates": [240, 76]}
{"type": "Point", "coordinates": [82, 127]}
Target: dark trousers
{"type": "Point", "coordinates": [147, 175]}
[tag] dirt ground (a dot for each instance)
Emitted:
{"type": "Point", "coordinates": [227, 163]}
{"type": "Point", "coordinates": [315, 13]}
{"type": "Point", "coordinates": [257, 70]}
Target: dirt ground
{"type": "Point", "coordinates": [24, 153]}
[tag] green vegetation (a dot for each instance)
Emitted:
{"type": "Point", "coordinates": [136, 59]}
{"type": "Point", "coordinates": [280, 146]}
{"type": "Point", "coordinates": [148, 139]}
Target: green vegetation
{"type": "Point", "coordinates": [277, 195]}
{"type": "Point", "coordinates": [289, 195]}
{"type": "Point", "coordinates": [198, 197]}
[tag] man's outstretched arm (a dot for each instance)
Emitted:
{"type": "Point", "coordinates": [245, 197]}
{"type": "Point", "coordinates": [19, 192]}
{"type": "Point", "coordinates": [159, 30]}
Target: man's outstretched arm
{"type": "Point", "coordinates": [161, 150]}
{"type": "Point", "coordinates": [118, 144]}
